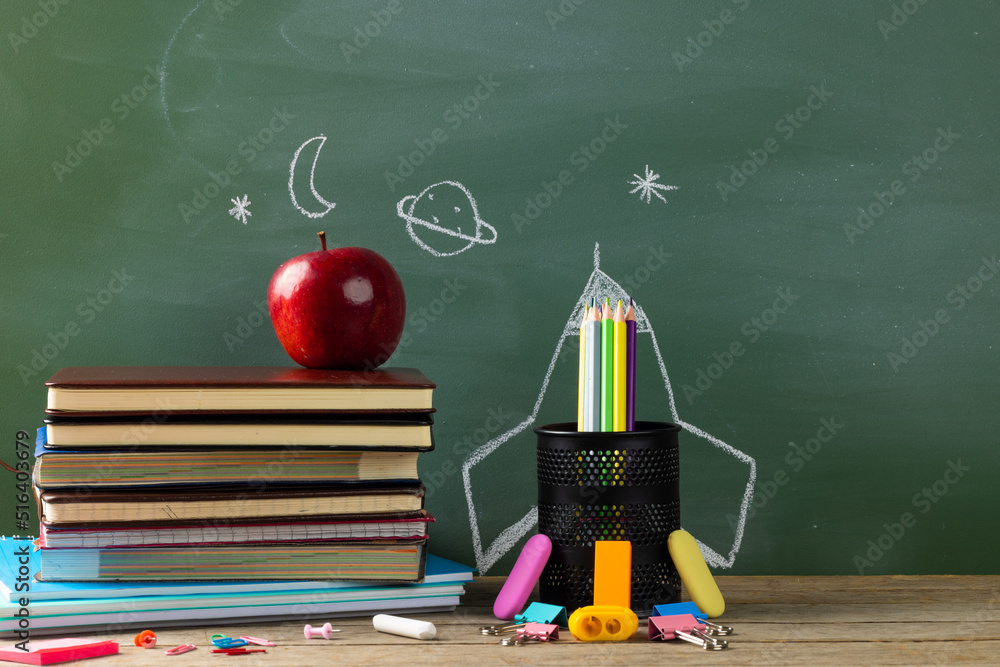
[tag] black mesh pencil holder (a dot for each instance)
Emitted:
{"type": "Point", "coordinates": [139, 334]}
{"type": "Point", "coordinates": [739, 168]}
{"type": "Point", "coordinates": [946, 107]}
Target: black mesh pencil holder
{"type": "Point", "coordinates": [609, 486]}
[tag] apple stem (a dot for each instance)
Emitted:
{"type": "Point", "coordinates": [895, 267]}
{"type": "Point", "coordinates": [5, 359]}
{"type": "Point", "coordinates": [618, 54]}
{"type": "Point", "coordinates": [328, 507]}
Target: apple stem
{"type": "Point", "coordinates": [322, 239]}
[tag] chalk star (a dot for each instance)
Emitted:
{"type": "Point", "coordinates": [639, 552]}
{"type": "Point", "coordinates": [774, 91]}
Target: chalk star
{"type": "Point", "coordinates": [647, 186]}
{"type": "Point", "coordinates": [241, 211]}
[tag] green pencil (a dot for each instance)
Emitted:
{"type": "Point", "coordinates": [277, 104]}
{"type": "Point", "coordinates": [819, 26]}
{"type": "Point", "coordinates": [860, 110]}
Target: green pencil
{"type": "Point", "coordinates": [607, 368]}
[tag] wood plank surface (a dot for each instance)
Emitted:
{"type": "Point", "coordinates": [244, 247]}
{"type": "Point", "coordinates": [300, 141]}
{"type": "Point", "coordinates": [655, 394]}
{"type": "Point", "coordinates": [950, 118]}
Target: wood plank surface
{"type": "Point", "coordinates": [895, 620]}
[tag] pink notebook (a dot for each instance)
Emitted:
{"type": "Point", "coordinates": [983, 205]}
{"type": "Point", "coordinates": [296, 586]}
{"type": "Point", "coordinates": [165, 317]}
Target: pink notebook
{"type": "Point", "coordinates": [52, 651]}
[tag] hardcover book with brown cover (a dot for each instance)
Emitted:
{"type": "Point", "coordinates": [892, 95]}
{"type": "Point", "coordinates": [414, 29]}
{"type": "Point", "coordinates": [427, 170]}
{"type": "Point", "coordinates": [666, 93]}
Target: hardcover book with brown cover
{"type": "Point", "coordinates": [101, 390]}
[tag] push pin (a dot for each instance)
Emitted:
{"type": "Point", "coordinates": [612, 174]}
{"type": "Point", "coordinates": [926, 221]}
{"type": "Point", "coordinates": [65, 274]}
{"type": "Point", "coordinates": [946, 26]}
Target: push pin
{"type": "Point", "coordinates": [145, 639]}
{"type": "Point", "coordinates": [324, 632]}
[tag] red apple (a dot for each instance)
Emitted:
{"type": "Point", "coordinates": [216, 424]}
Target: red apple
{"type": "Point", "coordinates": [340, 308]}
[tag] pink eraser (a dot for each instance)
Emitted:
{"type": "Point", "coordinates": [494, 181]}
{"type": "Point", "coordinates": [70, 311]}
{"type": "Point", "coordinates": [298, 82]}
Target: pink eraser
{"type": "Point", "coordinates": [523, 577]}
{"type": "Point", "coordinates": [52, 651]}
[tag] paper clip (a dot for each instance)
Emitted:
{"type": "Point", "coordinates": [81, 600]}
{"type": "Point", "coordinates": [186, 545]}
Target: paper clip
{"type": "Point", "coordinates": [257, 641]}
{"type": "Point", "coordinates": [539, 612]}
{"type": "Point", "coordinates": [183, 648]}
{"type": "Point", "coordinates": [223, 641]}
{"type": "Point", "coordinates": [495, 630]}
{"type": "Point", "coordinates": [238, 650]}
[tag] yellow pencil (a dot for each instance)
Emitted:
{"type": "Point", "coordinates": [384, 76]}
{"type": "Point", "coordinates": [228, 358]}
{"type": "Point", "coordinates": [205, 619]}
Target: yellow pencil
{"type": "Point", "coordinates": [581, 393]}
{"type": "Point", "coordinates": [620, 386]}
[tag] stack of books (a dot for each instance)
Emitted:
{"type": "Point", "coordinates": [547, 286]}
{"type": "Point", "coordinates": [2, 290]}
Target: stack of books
{"type": "Point", "coordinates": [228, 473]}
{"type": "Point", "coordinates": [69, 607]}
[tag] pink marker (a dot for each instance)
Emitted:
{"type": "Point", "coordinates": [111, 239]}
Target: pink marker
{"type": "Point", "coordinates": [523, 577]}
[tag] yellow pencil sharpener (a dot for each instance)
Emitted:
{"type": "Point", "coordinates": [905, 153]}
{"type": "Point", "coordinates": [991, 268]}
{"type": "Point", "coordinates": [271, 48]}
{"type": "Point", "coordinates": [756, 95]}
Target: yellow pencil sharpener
{"type": "Point", "coordinates": [603, 623]}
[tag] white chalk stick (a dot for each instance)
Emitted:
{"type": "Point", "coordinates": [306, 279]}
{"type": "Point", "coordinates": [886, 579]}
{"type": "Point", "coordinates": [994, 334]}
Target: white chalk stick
{"type": "Point", "coordinates": [405, 627]}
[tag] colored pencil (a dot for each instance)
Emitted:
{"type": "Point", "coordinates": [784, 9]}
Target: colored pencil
{"type": "Point", "coordinates": [607, 367]}
{"type": "Point", "coordinates": [620, 387]}
{"type": "Point", "coordinates": [581, 412]}
{"type": "Point", "coordinates": [630, 326]}
{"type": "Point", "coordinates": [593, 389]}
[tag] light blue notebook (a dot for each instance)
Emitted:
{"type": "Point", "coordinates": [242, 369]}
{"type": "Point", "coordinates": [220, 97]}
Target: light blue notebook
{"type": "Point", "coordinates": [437, 571]}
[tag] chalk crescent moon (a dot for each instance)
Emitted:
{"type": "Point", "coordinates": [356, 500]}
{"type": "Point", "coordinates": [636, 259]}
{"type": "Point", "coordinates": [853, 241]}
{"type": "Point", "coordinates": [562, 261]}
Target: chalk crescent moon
{"type": "Point", "coordinates": [312, 184]}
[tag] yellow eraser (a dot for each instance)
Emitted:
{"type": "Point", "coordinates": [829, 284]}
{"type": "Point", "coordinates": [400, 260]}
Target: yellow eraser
{"type": "Point", "coordinates": [613, 573]}
{"type": "Point", "coordinates": [694, 573]}
{"type": "Point", "coordinates": [605, 623]}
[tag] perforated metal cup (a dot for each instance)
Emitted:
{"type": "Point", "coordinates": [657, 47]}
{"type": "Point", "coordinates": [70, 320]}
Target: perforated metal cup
{"type": "Point", "coordinates": [609, 486]}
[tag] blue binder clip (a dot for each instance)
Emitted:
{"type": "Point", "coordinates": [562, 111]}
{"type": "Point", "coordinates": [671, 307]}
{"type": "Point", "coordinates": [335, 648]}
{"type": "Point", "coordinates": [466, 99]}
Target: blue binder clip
{"type": "Point", "coordinates": [679, 608]}
{"type": "Point", "coordinates": [539, 612]}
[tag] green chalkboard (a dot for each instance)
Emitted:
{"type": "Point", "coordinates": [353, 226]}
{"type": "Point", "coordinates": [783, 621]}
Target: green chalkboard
{"type": "Point", "coordinates": [801, 198]}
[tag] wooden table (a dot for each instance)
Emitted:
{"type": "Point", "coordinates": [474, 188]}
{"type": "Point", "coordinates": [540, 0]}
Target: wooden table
{"type": "Point", "coordinates": [898, 620]}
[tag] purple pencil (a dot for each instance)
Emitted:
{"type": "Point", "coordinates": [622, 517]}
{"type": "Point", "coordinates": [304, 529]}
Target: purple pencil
{"type": "Point", "coordinates": [630, 326]}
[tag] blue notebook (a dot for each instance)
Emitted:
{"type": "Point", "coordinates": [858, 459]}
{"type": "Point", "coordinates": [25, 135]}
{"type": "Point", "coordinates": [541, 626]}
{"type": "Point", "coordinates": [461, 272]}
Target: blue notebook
{"type": "Point", "coordinates": [437, 571]}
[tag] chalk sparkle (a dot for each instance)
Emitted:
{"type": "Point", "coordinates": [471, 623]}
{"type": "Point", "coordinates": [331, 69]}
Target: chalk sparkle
{"type": "Point", "coordinates": [647, 186]}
